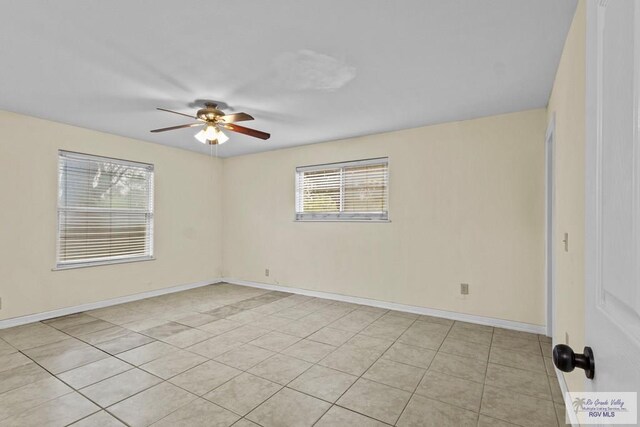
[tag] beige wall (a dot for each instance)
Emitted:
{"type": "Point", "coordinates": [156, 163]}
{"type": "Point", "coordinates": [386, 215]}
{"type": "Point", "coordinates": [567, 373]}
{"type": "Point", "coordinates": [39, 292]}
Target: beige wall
{"type": "Point", "coordinates": [466, 205]}
{"type": "Point", "coordinates": [187, 218]}
{"type": "Point", "coordinates": [568, 104]}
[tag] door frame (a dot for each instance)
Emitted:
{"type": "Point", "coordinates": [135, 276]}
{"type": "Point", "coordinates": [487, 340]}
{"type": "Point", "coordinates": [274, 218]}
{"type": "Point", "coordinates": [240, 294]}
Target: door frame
{"type": "Point", "coordinates": [549, 196]}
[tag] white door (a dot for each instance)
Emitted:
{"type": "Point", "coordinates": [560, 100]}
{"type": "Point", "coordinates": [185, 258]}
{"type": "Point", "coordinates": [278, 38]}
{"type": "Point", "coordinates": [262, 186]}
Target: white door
{"type": "Point", "coordinates": [613, 195]}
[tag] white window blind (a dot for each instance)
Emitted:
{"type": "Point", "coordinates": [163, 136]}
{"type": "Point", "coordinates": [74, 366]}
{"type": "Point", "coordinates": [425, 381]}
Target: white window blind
{"type": "Point", "coordinates": [357, 190]}
{"type": "Point", "coordinates": [105, 210]}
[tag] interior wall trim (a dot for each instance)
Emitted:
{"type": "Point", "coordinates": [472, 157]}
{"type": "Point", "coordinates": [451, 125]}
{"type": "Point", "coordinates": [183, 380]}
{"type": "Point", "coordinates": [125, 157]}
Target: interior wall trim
{"type": "Point", "coordinates": [573, 418]}
{"type": "Point", "coordinates": [489, 321]}
{"type": "Point", "coordinates": [22, 320]}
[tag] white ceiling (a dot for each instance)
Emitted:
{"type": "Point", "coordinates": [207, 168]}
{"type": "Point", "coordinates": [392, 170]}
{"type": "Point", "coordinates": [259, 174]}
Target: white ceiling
{"type": "Point", "coordinates": [308, 71]}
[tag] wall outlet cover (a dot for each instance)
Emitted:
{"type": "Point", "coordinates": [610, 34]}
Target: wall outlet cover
{"type": "Point", "coordinates": [464, 288]}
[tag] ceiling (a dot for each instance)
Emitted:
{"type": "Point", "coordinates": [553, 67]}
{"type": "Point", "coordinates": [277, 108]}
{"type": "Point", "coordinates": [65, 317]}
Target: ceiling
{"type": "Point", "coordinates": [308, 71]}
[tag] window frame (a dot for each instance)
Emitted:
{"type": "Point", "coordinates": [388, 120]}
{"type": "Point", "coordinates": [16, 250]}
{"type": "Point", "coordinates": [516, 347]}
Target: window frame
{"type": "Point", "coordinates": [362, 217]}
{"type": "Point", "coordinates": [117, 259]}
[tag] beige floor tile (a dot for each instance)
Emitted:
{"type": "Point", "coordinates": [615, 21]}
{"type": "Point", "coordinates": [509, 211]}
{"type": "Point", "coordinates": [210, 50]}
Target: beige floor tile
{"type": "Point", "coordinates": [517, 359]}
{"type": "Point", "coordinates": [516, 344]}
{"type": "Point", "coordinates": [547, 351]}
{"type": "Point", "coordinates": [173, 364]}
{"type": "Point", "coordinates": [352, 360]}
{"type": "Point", "coordinates": [469, 335]}
{"type": "Point", "coordinates": [6, 348]}
{"type": "Point", "coordinates": [549, 366]}
{"type": "Point", "coordinates": [556, 392]}
{"type": "Point", "coordinates": [146, 353]}
{"type": "Point", "coordinates": [22, 375]}
{"type": "Point", "coordinates": [301, 328]}
{"type": "Point", "coordinates": [12, 361]}
{"type": "Point", "coordinates": [375, 400]}
{"type": "Point", "coordinates": [21, 399]}
{"type": "Point", "coordinates": [119, 387]}
{"type": "Point", "coordinates": [223, 312]}
{"type": "Point", "coordinates": [205, 377]}
{"type": "Point", "coordinates": [474, 327]}
{"type": "Point", "coordinates": [245, 423]}
{"type": "Point", "coordinates": [271, 323]}
{"type": "Point", "coordinates": [425, 334]}
{"type": "Point", "coordinates": [500, 332]}
{"type": "Point", "coordinates": [243, 393]}
{"type": "Point", "coordinates": [195, 319]}
{"type": "Point", "coordinates": [331, 336]}
{"type": "Point", "coordinates": [340, 417]}
{"type": "Point", "coordinates": [465, 348]}
{"type": "Point", "coordinates": [199, 413]}
{"type": "Point", "coordinates": [280, 368]}
{"type": "Point", "coordinates": [70, 320]}
{"type": "Point", "coordinates": [99, 419]}
{"type": "Point", "coordinates": [355, 321]}
{"type": "Point", "coordinates": [244, 357]}
{"type": "Point", "coordinates": [323, 383]}
{"type": "Point", "coordinates": [534, 384]}
{"type": "Point", "coordinates": [561, 414]}
{"type": "Point", "coordinates": [141, 325]}
{"type": "Point", "coordinates": [124, 343]}
{"type": "Point", "coordinates": [151, 405]}
{"type": "Point", "coordinates": [87, 328]}
{"type": "Point", "coordinates": [390, 327]}
{"type": "Point", "coordinates": [398, 375]}
{"type": "Point", "coordinates": [214, 347]}
{"type": "Point", "coordinates": [485, 421]}
{"type": "Point", "coordinates": [410, 355]}
{"type": "Point", "coordinates": [310, 351]}
{"type": "Point", "coordinates": [517, 408]}
{"type": "Point", "coordinates": [452, 390]}
{"type": "Point", "coordinates": [165, 330]}
{"type": "Point", "coordinates": [94, 372]}
{"type": "Point", "coordinates": [434, 319]}
{"type": "Point", "coordinates": [379, 345]}
{"type": "Point", "coordinates": [65, 355]}
{"type": "Point", "coordinates": [219, 327]}
{"type": "Point", "coordinates": [289, 408]}
{"type": "Point", "coordinates": [60, 411]}
{"type": "Point", "coordinates": [275, 341]}
{"type": "Point", "coordinates": [104, 335]}
{"type": "Point", "coordinates": [31, 335]}
{"type": "Point", "coordinates": [461, 367]}
{"type": "Point", "coordinates": [187, 338]}
{"type": "Point", "coordinates": [423, 412]}
{"type": "Point", "coordinates": [245, 334]}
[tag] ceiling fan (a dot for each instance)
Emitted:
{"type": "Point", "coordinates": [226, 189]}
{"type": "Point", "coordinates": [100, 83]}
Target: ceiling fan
{"type": "Point", "coordinates": [214, 120]}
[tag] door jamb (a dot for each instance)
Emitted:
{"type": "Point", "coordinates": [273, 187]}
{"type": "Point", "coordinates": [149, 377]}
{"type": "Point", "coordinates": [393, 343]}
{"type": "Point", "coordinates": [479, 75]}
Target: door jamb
{"type": "Point", "coordinates": [549, 151]}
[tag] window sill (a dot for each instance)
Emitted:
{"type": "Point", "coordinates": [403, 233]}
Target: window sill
{"type": "Point", "coordinates": [98, 263]}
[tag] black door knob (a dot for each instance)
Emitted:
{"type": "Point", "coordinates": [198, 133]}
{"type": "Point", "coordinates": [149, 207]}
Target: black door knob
{"type": "Point", "coordinates": [566, 360]}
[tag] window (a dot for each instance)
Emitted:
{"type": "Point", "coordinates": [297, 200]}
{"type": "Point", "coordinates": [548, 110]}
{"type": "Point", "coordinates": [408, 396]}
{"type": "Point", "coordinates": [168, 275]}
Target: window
{"type": "Point", "coordinates": [348, 191]}
{"type": "Point", "coordinates": [105, 210]}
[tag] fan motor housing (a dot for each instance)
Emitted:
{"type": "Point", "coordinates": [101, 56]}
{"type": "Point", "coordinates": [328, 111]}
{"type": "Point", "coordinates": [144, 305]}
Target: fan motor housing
{"type": "Point", "coordinates": [210, 113]}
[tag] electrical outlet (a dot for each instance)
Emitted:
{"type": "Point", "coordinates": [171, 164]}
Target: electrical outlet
{"type": "Point", "coordinates": [566, 338]}
{"type": "Point", "coordinates": [266, 272]}
{"type": "Point", "coordinates": [566, 242]}
{"type": "Point", "coordinates": [464, 288]}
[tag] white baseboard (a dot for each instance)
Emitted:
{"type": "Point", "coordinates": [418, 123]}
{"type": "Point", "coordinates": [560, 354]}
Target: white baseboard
{"type": "Point", "coordinates": [490, 321]}
{"type": "Point", "coordinates": [17, 321]}
{"type": "Point", "coordinates": [573, 417]}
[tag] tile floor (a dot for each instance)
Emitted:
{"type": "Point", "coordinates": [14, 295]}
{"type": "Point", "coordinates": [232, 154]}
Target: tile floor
{"type": "Point", "coordinates": [226, 355]}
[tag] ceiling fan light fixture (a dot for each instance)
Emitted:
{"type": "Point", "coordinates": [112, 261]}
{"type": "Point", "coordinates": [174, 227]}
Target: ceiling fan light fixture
{"type": "Point", "coordinates": [211, 135]}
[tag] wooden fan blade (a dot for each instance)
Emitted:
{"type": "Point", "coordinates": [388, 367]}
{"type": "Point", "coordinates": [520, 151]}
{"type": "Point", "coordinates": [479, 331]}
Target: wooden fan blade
{"type": "Point", "coordinates": [178, 127]}
{"type": "Point", "coordinates": [246, 131]}
{"type": "Point", "coordinates": [176, 112]}
{"type": "Point", "coordinates": [237, 117]}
